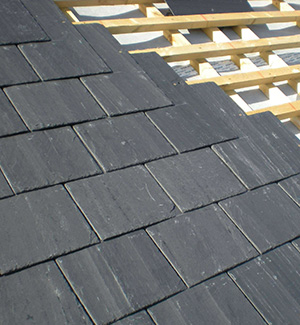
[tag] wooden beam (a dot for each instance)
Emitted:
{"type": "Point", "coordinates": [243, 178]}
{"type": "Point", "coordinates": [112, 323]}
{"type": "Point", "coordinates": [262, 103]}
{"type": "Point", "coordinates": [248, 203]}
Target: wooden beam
{"type": "Point", "coordinates": [88, 3]}
{"type": "Point", "coordinates": [284, 111]}
{"type": "Point", "coordinates": [135, 25]}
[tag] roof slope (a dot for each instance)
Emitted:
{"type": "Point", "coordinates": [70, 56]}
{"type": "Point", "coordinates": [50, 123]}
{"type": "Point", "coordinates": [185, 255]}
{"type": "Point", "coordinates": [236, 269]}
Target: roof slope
{"type": "Point", "coordinates": [128, 196]}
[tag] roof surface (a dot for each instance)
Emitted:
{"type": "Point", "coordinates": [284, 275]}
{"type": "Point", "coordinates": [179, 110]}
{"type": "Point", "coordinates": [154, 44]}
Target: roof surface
{"type": "Point", "coordinates": [128, 196]}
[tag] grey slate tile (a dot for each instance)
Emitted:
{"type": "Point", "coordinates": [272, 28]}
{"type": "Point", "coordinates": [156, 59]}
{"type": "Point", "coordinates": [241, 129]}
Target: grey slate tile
{"type": "Point", "coordinates": [292, 187]}
{"type": "Point", "coordinates": [54, 103]}
{"type": "Point", "coordinates": [123, 141]}
{"type": "Point", "coordinates": [39, 225]}
{"type": "Point", "coordinates": [195, 179]}
{"type": "Point", "coordinates": [14, 68]}
{"type": "Point", "coordinates": [296, 243]}
{"type": "Point", "coordinates": [187, 128]}
{"type": "Point", "coordinates": [201, 243]}
{"type": "Point", "coordinates": [45, 158]}
{"type": "Point", "coordinates": [17, 25]}
{"type": "Point", "coordinates": [10, 122]}
{"type": "Point", "coordinates": [39, 295]}
{"type": "Point", "coordinates": [65, 58]}
{"type": "Point", "coordinates": [216, 301]}
{"type": "Point", "coordinates": [272, 284]}
{"type": "Point", "coordinates": [121, 201]}
{"type": "Point", "coordinates": [120, 276]}
{"type": "Point", "coordinates": [125, 92]}
{"type": "Point", "coordinates": [5, 190]}
{"type": "Point", "coordinates": [136, 319]}
{"type": "Point", "coordinates": [267, 216]}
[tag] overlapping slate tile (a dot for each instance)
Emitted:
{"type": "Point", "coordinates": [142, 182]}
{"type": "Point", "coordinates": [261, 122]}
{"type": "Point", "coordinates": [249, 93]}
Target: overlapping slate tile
{"type": "Point", "coordinates": [118, 202]}
{"type": "Point", "coordinates": [189, 243]}
{"type": "Point", "coordinates": [39, 295]}
{"type": "Point", "coordinates": [216, 301]}
{"type": "Point", "coordinates": [54, 103]}
{"type": "Point", "coordinates": [17, 25]}
{"type": "Point", "coordinates": [136, 319]}
{"type": "Point", "coordinates": [123, 141]}
{"type": "Point", "coordinates": [267, 216]}
{"type": "Point", "coordinates": [10, 122]}
{"type": "Point", "coordinates": [272, 284]}
{"type": "Point", "coordinates": [45, 158]}
{"type": "Point", "coordinates": [188, 128]}
{"type": "Point", "coordinates": [5, 190]}
{"type": "Point", "coordinates": [120, 276]}
{"type": "Point", "coordinates": [292, 187]}
{"type": "Point", "coordinates": [39, 225]}
{"type": "Point", "coordinates": [125, 92]}
{"type": "Point", "coordinates": [14, 68]}
{"type": "Point", "coordinates": [195, 179]}
{"type": "Point", "coordinates": [296, 243]}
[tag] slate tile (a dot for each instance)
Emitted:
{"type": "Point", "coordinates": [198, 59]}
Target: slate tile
{"type": "Point", "coordinates": [14, 68]}
{"type": "Point", "coordinates": [267, 216]}
{"type": "Point", "coordinates": [136, 319]}
{"type": "Point", "coordinates": [39, 295]}
{"type": "Point", "coordinates": [216, 301]}
{"type": "Point", "coordinates": [10, 122]}
{"type": "Point", "coordinates": [272, 284]}
{"type": "Point", "coordinates": [292, 187]}
{"type": "Point", "coordinates": [189, 243]}
{"type": "Point", "coordinates": [195, 179]}
{"type": "Point", "coordinates": [120, 276]}
{"type": "Point", "coordinates": [125, 92]}
{"type": "Point", "coordinates": [123, 141]}
{"type": "Point", "coordinates": [5, 190]}
{"type": "Point", "coordinates": [54, 103]}
{"type": "Point", "coordinates": [296, 243]}
{"type": "Point", "coordinates": [118, 202]}
{"type": "Point", "coordinates": [188, 128]}
{"type": "Point", "coordinates": [45, 158]}
{"type": "Point", "coordinates": [39, 225]}
{"type": "Point", "coordinates": [65, 58]}
{"type": "Point", "coordinates": [17, 25]}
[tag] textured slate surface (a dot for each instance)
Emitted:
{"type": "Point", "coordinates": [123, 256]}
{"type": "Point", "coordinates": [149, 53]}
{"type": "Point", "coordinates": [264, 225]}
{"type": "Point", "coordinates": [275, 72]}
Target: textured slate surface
{"type": "Point", "coordinates": [63, 59]}
{"type": "Point", "coordinates": [296, 243]}
{"type": "Point", "coordinates": [136, 319]}
{"type": "Point", "coordinates": [189, 242]}
{"type": "Point", "coordinates": [17, 25]}
{"type": "Point", "coordinates": [10, 121]}
{"type": "Point", "coordinates": [272, 284]}
{"type": "Point", "coordinates": [39, 295]}
{"type": "Point", "coordinates": [195, 179]}
{"type": "Point", "coordinates": [188, 128]}
{"type": "Point", "coordinates": [53, 226]}
{"type": "Point", "coordinates": [120, 93]}
{"type": "Point", "coordinates": [216, 301]}
{"type": "Point", "coordinates": [5, 190]}
{"type": "Point", "coordinates": [292, 187]}
{"type": "Point", "coordinates": [267, 216]}
{"type": "Point", "coordinates": [114, 279]}
{"type": "Point", "coordinates": [193, 7]}
{"type": "Point", "coordinates": [14, 68]}
{"type": "Point", "coordinates": [123, 141]}
{"type": "Point", "coordinates": [121, 201]}
{"type": "Point", "coordinates": [45, 158]}
{"type": "Point", "coordinates": [54, 103]}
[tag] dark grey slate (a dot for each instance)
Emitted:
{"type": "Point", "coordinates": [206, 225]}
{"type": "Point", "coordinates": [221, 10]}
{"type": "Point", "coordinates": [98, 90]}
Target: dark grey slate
{"type": "Point", "coordinates": [201, 243]}
{"type": "Point", "coordinates": [10, 122]}
{"type": "Point", "coordinates": [267, 216]}
{"type": "Point", "coordinates": [65, 58]}
{"type": "Point", "coordinates": [296, 243]}
{"type": "Point", "coordinates": [45, 158]}
{"type": "Point", "coordinates": [272, 283]}
{"type": "Point", "coordinates": [123, 141]}
{"type": "Point", "coordinates": [5, 190]}
{"type": "Point", "coordinates": [216, 301]}
{"type": "Point", "coordinates": [120, 276]}
{"type": "Point", "coordinates": [40, 225]}
{"type": "Point", "coordinates": [118, 202]}
{"type": "Point", "coordinates": [136, 319]}
{"type": "Point", "coordinates": [195, 179]}
{"type": "Point", "coordinates": [194, 7]}
{"type": "Point", "coordinates": [39, 295]}
{"type": "Point", "coordinates": [125, 92]}
{"type": "Point", "coordinates": [17, 25]}
{"type": "Point", "coordinates": [14, 68]}
{"type": "Point", "coordinates": [187, 128]}
{"type": "Point", "coordinates": [292, 187]}
{"type": "Point", "coordinates": [54, 103]}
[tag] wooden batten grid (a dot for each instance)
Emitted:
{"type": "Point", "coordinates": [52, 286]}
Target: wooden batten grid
{"type": "Point", "coordinates": [198, 54]}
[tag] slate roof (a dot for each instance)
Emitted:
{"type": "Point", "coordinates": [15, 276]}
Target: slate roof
{"type": "Point", "coordinates": [128, 196]}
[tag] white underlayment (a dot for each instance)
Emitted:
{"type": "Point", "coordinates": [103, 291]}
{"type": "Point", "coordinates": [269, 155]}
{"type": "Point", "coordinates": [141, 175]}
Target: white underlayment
{"type": "Point", "coordinates": [248, 98]}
